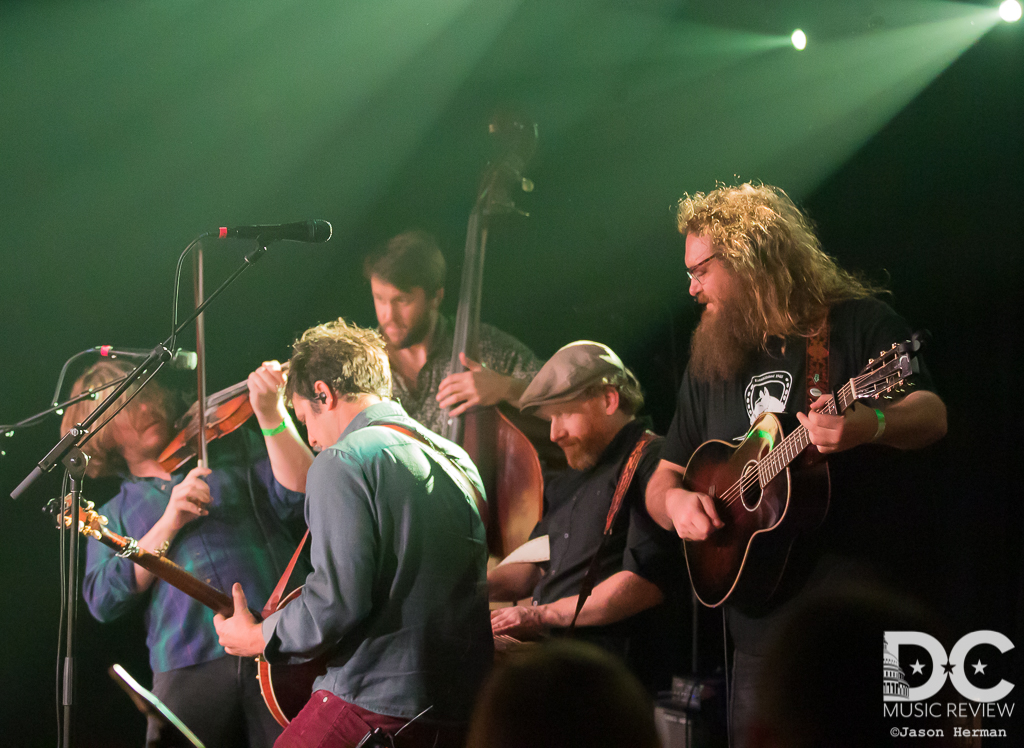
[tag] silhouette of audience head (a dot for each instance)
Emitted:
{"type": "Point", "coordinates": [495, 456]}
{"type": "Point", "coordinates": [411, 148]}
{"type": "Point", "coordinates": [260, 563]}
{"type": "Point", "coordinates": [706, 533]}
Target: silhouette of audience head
{"type": "Point", "coordinates": [562, 694]}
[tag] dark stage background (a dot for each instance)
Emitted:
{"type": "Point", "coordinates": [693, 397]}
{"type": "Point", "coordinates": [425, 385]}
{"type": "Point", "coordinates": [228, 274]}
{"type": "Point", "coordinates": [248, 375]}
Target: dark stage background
{"type": "Point", "coordinates": [128, 128]}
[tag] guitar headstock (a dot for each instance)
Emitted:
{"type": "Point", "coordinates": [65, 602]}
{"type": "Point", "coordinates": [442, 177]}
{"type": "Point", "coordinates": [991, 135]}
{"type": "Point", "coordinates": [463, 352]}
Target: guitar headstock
{"type": "Point", "coordinates": [887, 375]}
{"type": "Point", "coordinates": [90, 522]}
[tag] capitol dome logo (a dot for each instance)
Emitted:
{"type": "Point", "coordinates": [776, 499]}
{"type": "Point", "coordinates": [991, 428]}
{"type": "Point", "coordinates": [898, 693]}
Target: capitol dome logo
{"type": "Point", "coordinates": [894, 682]}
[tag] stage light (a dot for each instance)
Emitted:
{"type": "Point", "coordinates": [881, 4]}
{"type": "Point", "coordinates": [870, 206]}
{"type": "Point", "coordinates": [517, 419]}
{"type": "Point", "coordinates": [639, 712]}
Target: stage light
{"type": "Point", "coordinates": [799, 38]}
{"type": "Point", "coordinates": [1009, 10]}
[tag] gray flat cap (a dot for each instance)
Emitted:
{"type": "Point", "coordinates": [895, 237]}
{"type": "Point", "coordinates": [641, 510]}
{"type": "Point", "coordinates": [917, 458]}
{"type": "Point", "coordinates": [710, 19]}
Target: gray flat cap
{"type": "Point", "coordinates": [568, 373]}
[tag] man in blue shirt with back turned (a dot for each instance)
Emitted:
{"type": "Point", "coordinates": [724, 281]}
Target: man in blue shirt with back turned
{"type": "Point", "coordinates": [397, 600]}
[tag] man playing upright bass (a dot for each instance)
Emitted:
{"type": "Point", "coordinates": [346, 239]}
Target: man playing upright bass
{"type": "Point", "coordinates": [407, 278]}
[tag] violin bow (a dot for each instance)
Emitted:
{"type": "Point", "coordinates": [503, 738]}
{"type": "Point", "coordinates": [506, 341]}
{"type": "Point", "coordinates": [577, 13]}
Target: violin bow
{"type": "Point", "coordinates": [197, 284]}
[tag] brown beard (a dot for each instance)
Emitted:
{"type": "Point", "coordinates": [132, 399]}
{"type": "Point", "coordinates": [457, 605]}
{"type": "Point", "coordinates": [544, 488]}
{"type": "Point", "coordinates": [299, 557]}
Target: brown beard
{"type": "Point", "coordinates": [723, 342]}
{"type": "Point", "coordinates": [582, 459]}
{"type": "Point", "coordinates": [417, 333]}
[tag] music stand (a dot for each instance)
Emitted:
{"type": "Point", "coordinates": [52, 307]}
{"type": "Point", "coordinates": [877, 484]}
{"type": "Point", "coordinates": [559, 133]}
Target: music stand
{"type": "Point", "coordinates": [150, 705]}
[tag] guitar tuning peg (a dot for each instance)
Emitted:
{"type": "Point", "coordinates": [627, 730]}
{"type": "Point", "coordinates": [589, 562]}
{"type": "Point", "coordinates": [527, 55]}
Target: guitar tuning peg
{"type": "Point", "coordinates": [103, 520]}
{"type": "Point", "coordinates": [97, 534]}
{"type": "Point", "coordinates": [89, 505]}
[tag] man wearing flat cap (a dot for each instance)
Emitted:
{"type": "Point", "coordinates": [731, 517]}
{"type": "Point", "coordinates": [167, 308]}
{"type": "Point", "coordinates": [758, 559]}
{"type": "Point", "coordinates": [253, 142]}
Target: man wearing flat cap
{"type": "Point", "coordinates": [591, 400]}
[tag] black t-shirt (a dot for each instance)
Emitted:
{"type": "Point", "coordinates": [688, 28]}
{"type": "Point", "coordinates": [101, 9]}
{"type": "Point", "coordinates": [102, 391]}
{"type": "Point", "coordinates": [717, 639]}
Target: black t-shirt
{"type": "Point", "coordinates": [855, 531]}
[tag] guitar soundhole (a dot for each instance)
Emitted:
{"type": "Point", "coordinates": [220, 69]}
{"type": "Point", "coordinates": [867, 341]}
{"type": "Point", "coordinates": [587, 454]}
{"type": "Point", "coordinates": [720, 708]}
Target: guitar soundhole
{"type": "Point", "coordinates": [751, 495]}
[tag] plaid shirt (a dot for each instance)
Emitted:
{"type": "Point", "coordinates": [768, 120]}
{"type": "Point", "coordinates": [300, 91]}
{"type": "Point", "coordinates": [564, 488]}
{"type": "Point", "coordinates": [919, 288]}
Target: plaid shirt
{"type": "Point", "coordinates": [242, 539]}
{"type": "Point", "coordinates": [498, 351]}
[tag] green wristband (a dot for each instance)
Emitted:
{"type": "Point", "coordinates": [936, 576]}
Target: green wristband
{"type": "Point", "coordinates": [277, 430]}
{"type": "Point", "coordinates": [881, 425]}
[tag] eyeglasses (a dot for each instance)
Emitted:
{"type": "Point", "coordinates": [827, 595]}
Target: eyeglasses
{"type": "Point", "coordinates": [696, 273]}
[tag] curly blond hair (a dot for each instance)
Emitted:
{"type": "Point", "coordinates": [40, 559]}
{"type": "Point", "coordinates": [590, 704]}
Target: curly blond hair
{"type": "Point", "coordinates": [351, 359]}
{"type": "Point", "coordinates": [770, 245]}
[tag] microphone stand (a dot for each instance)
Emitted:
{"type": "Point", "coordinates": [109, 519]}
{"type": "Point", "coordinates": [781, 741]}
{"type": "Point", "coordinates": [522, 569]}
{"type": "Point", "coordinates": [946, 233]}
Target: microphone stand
{"type": "Point", "coordinates": [68, 450]}
{"type": "Point", "coordinates": [76, 462]}
{"type": "Point", "coordinates": [36, 418]}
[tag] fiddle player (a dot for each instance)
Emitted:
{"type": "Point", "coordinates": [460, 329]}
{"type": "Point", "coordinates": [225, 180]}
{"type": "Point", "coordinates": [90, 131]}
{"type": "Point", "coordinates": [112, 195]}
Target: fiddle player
{"type": "Point", "coordinates": [591, 400]}
{"type": "Point", "coordinates": [397, 599]}
{"type": "Point", "coordinates": [407, 277]}
{"type": "Point", "coordinates": [223, 523]}
{"type": "Point", "coordinates": [767, 288]}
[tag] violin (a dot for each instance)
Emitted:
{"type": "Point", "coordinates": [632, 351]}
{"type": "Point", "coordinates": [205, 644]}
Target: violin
{"type": "Point", "coordinates": [225, 411]}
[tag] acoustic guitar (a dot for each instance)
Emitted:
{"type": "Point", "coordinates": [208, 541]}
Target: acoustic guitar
{"type": "Point", "coordinates": [285, 688]}
{"type": "Point", "coordinates": [769, 489]}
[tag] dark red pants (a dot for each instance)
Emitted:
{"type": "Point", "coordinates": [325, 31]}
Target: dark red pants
{"type": "Point", "coordinates": [329, 722]}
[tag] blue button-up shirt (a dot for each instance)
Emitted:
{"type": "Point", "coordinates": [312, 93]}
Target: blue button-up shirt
{"type": "Point", "coordinates": [243, 539]}
{"type": "Point", "coordinates": [397, 599]}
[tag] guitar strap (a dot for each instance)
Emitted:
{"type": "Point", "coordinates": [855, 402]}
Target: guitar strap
{"type": "Point", "coordinates": [817, 364]}
{"type": "Point", "coordinates": [275, 596]}
{"type": "Point", "coordinates": [625, 478]}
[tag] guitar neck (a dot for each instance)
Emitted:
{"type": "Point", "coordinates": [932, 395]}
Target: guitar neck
{"type": "Point", "coordinates": [177, 577]}
{"type": "Point", "coordinates": [168, 571]}
{"type": "Point", "coordinates": [790, 448]}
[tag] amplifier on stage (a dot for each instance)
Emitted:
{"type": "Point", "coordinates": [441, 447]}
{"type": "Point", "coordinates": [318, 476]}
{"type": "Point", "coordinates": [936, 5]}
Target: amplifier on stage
{"type": "Point", "coordinates": [692, 714]}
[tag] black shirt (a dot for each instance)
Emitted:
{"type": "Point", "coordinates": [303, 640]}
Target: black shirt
{"type": "Point", "coordinates": [857, 528]}
{"type": "Point", "coordinates": [578, 503]}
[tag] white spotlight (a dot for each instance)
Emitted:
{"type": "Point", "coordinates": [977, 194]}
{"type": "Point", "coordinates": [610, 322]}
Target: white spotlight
{"type": "Point", "coordinates": [1009, 10]}
{"type": "Point", "coordinates": [799, 38]}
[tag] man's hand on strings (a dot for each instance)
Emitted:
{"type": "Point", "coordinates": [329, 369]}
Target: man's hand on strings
{"type": "Point", "coordinates": [477, 386]}
{"type": "Point", "coordinates": [693, 514]}
{"type": "Point", "coordinates": [520, 621]}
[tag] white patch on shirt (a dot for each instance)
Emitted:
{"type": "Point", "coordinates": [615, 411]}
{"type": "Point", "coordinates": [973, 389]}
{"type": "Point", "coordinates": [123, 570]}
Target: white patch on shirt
{"type": "Point", "coordinates": [768, 393]}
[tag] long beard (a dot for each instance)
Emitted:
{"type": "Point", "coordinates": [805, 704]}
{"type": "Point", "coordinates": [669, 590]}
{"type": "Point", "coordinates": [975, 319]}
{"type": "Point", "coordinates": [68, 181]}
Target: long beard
{"type": "Point", "coordinates": [722, 343]}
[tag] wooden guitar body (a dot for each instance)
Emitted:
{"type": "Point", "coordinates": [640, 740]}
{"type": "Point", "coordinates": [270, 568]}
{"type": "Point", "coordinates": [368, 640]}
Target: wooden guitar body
{"type": "Point", "coordinates": [287, 688]}
{"type": "Point", "coordinates": [770, 488]}
{"type": "Point", "coordinates": [744, 560]}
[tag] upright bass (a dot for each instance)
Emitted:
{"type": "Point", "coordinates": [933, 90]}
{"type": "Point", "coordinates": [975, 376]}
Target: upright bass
{"type": "Point", "coordinates": [508, 462]}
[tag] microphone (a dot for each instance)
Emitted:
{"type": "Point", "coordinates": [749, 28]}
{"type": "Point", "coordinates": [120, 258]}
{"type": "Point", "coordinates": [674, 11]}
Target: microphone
{"type": "Point", "coordinates": [180, 359]}
{"type": "Point", "coordinates": [313, 231]}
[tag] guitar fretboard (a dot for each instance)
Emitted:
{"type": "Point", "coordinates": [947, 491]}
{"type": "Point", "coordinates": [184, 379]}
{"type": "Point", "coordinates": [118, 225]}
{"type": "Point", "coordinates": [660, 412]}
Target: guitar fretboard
{"type": "Point", "coordinates": [790, 448]}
